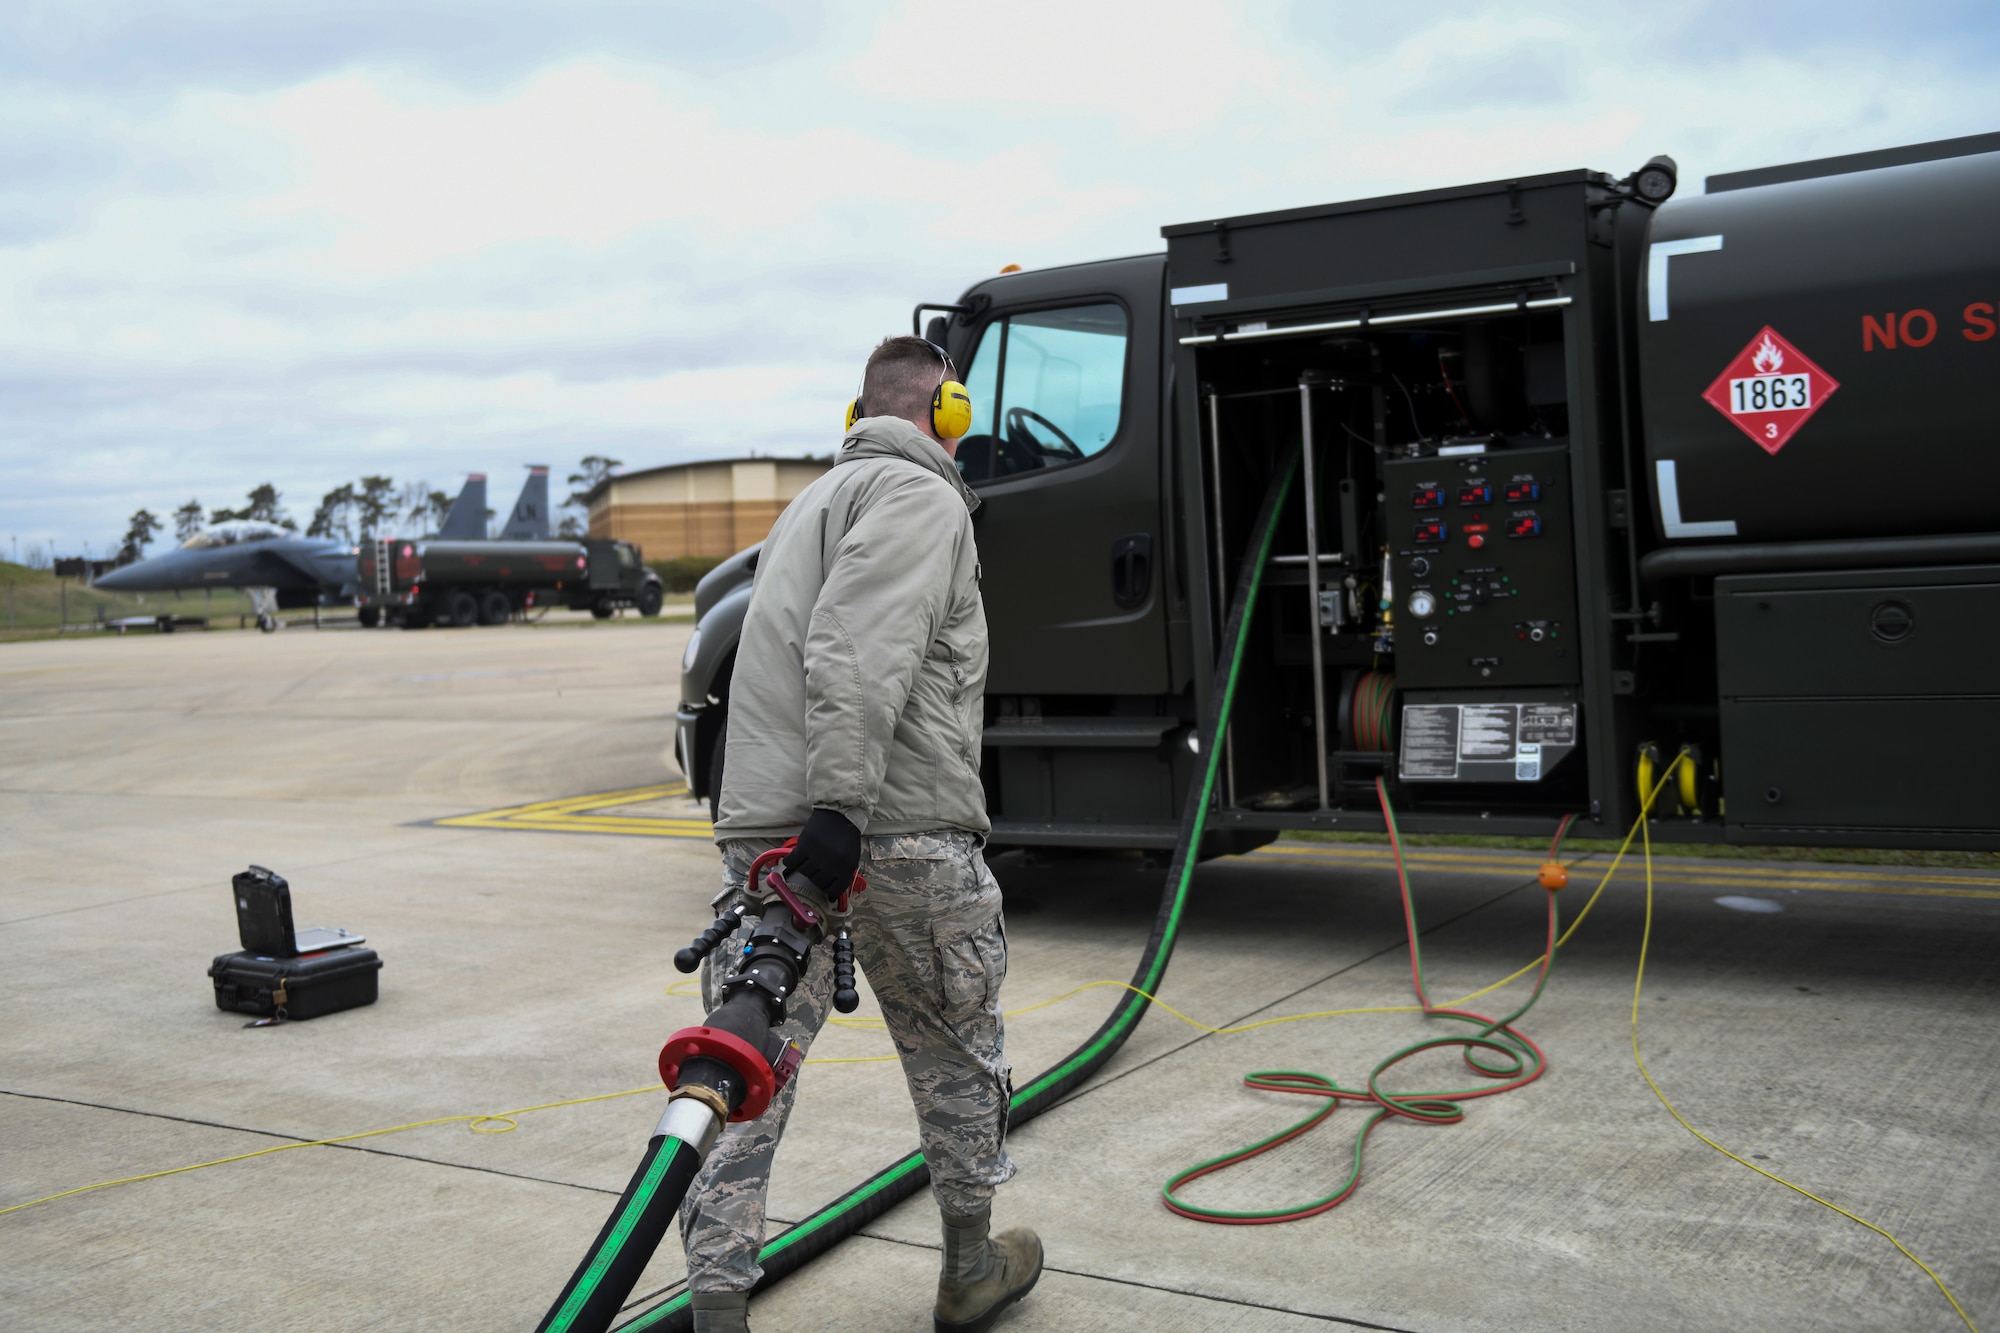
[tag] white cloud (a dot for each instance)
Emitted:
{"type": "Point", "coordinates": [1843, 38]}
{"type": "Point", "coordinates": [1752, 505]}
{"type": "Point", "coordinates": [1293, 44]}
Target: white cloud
{"type": "Point", "coordinates": [272, 266]}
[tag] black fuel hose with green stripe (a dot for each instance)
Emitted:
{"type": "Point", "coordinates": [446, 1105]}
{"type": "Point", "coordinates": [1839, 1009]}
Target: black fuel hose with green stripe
{"type": "Point", "coordinates": [630, 1235]}
{"type": "Point", "coordinates": [800, 1244]}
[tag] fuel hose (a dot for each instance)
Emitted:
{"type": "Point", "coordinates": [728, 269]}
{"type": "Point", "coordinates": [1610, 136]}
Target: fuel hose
{"type": "Point", "coordinates": [626, 1243]}
{"type": "Point", "coordinates": [805, 1241]}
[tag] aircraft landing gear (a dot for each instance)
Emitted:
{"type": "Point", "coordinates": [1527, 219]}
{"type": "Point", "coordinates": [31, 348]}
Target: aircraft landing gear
{"type": "Point", "coordinates": [264, 601]}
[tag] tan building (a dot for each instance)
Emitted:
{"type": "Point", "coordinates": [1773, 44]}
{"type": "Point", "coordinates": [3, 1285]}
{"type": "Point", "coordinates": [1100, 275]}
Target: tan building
{"type": "Point", "coordinates": [709, 509]}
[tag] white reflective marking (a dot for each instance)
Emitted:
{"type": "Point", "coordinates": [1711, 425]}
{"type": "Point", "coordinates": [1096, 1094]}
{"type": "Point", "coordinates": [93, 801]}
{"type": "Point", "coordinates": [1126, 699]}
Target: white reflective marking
{"type": "Point", "coordinates": [1208, 291]}
{"type": "Point", "coordinates": [1657, 255]}
{"type": "Point", "coordinates": [1740, 904]}
{"type": "Point", "coordinates": [1670, 508]}
{"type": "Point", "coordinates": [1247, 331]}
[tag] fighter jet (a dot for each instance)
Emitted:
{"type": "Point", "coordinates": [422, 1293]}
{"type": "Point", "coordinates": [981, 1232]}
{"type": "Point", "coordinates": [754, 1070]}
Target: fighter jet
{"type": "Point", "coordinates": [279, 568]}
{"type": "Point", "coordinates": [465, 521]}
{"type": "Point", "coordinates": [530, 520]}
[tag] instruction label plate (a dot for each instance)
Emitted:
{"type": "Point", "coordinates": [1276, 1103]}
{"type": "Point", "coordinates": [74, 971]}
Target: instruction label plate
{"type": "Point", "coordinates": [1485, 742]}
{"type": "Point", "coordinates": [1430, 741]}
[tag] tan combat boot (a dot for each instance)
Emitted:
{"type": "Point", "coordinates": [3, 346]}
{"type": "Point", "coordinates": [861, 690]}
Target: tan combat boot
{"type": "Point", "coordinates": [982, 1276]}
{"type": "Point", "coordinates": [720, 1311]}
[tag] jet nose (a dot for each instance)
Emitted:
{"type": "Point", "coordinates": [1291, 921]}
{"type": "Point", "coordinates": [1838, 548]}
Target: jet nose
{"type": "Point", "coordinates": [160, 574]}
{"type": "Point", "coordinates": [125, 579]}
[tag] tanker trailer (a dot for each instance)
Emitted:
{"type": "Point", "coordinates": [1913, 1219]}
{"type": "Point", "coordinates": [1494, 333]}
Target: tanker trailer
{"type": "Point", "coordinates": [416, 583]}
{"type": "Point", "coordinates": [1820, 388]}
{"type": "Point", "coordinates": [458, 583]}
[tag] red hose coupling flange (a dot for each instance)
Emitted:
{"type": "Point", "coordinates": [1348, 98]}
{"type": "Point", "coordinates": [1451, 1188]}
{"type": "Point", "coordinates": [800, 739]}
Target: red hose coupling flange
{"type": "Point", "coordinates": [760, 1083]}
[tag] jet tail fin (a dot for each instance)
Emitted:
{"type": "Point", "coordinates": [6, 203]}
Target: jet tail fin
{"type": "Point", "coordinates": [466, 519]}
{"type": "Point", "coordinates": [530, 520]}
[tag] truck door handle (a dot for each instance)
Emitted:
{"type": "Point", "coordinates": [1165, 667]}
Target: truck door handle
{"type": "Point", "coordinates": [1132, 569]}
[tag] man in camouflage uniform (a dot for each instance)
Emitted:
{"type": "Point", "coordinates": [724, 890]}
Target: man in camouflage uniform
{"type": "Point", "coordinates": [855, 715]}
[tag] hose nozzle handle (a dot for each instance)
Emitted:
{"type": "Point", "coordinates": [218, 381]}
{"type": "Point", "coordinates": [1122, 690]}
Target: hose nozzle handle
{"type": "Point", "coordinates": [845, 997]}
{"type": "Point", "coordinates": [688, 959]}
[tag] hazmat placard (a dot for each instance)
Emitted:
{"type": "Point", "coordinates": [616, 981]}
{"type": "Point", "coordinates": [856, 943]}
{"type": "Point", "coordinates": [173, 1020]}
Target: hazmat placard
{"type": "Point", "coordinates": [1770, 390]}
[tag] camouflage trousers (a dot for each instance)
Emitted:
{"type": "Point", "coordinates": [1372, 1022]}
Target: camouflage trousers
{"type": "Point", "coordinates": [929, 936]}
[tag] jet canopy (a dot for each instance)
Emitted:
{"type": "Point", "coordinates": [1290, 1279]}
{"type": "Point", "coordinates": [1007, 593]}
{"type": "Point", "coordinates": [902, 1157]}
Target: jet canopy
{"type": "Point", "coordinates": [236, 532]}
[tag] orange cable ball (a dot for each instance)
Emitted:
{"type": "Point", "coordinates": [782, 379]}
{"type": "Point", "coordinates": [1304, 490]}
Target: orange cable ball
{"type": "Point", "coordinates": [1553, 876]}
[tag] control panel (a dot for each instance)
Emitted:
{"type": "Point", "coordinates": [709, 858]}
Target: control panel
{"type": "Point", "coordinates": [1484, 568]}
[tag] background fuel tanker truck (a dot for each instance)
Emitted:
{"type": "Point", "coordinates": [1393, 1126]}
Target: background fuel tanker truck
{"type": "Point", "coordinates": [1588, 471]}
{"type": "Point", "coordinates": [414, 583]}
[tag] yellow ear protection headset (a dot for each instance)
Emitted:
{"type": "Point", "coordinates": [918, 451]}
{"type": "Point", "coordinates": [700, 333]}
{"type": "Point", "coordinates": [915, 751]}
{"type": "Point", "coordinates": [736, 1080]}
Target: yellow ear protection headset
{"type": "Point", "coordinates": [951, 402]}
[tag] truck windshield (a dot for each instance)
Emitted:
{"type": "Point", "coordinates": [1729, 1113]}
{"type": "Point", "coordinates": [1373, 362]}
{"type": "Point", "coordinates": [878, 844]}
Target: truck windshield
{"type": "Point", "coordinates": [1047, 389]}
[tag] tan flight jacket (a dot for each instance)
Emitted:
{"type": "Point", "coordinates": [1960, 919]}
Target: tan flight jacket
{"type": "Point", "coordinates": [860, 679]}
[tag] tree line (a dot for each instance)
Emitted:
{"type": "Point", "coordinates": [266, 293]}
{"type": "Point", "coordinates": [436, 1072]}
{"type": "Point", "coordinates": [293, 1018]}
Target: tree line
{"type": "Point", "coordinates": [351, 511]}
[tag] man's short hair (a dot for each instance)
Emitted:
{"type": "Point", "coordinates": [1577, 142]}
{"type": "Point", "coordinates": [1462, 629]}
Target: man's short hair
{"type": "Point", "coordinates": [902, 375]}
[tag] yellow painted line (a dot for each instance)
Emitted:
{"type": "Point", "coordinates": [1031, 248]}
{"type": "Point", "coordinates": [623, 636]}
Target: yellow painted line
{"type": "Point", "coordinates": [1489, 861]}
{"type": "Point", "coordinates": [584, 814]}
{"type": "Point", "coordinates": [1719, 876]}
{"type": "Point", "coordinates": [1736, 869]}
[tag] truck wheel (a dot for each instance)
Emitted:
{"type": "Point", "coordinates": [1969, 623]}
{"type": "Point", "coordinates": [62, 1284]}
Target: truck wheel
{"type": "Point", "coordinates": [650, 597]}
{"type": "Point", "coordinates": [460, 609]}
{"type": "Point", "coordinates": [369, 616]}
{"type": "Point", "coordinates": [494, 608]}
{"type": "Point", "coordinates": [715, 770]}
{"type": "Point", "coordinates": [603, 610]}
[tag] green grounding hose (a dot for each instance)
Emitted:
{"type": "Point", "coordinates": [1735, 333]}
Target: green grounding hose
{"type": "Point", "coordinates": [800, 1244]}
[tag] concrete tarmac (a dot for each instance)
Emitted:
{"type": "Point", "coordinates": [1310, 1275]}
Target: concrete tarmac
{"type": "Point", "coordinates": [1839, 1032]}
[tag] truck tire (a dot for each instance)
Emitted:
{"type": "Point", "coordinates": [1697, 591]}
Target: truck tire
{"type": "Point", "coordinates": [602, 608]}
{"type": "Point", "coordinates": [460, 609]}
{"type": "Point", "coordinates": [369, 616]}
{"type": "Point", "coordinates": [650, 598]}
{"type": "Point", "coordinates": [494, 608]}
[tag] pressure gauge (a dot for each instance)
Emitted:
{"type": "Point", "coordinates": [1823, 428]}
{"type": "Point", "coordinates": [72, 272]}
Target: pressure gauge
{"type": "Point", "coordinates": [1422, 604]}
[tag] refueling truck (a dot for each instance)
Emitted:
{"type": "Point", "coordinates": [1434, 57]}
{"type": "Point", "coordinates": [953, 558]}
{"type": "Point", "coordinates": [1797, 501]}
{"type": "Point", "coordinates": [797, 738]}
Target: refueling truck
{"type": "Point", "coordinates": [1591, 471]}
{"type": "Point", "coordinates": [414, 583]}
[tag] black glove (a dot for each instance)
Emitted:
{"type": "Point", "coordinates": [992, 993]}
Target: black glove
{"type": "Point", "coordinates": [828, 854]}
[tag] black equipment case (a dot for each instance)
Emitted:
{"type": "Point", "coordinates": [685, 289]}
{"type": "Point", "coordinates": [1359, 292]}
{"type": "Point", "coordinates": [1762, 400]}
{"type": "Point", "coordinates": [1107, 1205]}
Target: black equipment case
{"type": "Point", "coordinates": [293, 988]}
{"type": "Point", "coordinates": [269, 976]}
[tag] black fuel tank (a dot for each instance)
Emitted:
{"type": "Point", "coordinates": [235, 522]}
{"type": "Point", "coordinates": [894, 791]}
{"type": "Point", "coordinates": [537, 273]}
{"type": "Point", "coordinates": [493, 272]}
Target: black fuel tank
{"type": "Point", "coordinates": [1818, 358]}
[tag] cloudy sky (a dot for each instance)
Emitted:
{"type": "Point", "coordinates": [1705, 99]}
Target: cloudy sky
{"type": "Point", "coordinates": [299, 242]}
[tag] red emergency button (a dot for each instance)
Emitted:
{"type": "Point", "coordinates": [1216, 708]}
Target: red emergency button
{"type": "Point", "coordinates": [1475, 541]}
